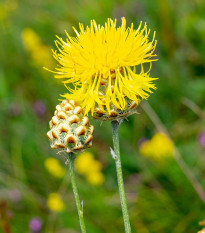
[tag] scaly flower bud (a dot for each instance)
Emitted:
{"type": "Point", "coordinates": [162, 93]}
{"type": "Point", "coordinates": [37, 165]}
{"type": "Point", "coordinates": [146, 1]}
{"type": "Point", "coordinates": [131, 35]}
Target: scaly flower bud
{"type": "Point", "coordinates": [69, 128]}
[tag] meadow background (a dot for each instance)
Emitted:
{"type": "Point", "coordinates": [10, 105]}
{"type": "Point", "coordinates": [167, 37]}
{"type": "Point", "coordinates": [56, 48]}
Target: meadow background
{"type": "Point", "coordinates": [165, 190]}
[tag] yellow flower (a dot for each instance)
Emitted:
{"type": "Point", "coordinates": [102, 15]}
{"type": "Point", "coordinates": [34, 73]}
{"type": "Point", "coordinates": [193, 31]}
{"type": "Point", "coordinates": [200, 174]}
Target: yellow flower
{"type": "Point", "coordinates": [39, 52]}
{"type": "Point", "coordinates": [54, 167]}
{"type": "Point", "coordinates": [55, 202]}
{"type": "Point", "coordinates": [85, 163]}
{"type": "Point", "coordinates": [95, 178]}
{"type": "Point", "coordinates": [7, 8]}
{"type": "Point", "coordinates": [100, 63]}
{"type": "Point", "coordinates": [159, 146]}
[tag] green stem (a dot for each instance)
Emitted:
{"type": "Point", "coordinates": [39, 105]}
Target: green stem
{"type": "Point", "coordinates": [116, 156]}
{"type": "Point", "coordinates": [75, 191]}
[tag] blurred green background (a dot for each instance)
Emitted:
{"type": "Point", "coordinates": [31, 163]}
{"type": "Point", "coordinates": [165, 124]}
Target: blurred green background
{"type": "Point", "coordinates": [165, 193]}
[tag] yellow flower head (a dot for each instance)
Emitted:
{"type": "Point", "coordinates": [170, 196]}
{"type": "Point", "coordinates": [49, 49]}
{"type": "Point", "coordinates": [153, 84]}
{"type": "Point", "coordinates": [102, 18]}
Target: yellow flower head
{"type": "Point", "coordinates": [30, 39]}
{"type": "Point", "coordinates": [39, 52]}
{"type": "Point", "coordinates": [55, 202]}
{"type": "Point", "coordinates": [159, 146]}
{"type": "Point", "coordinates": [100, 64]}
{"type": "Point", "coordinates": [85, 163]}
{"type": "Point", "coordinates": [54, 167]}
{"type": "Point", "coordinates": [88, 166]}
{"type": "Point", "coordinates": [95, 178]}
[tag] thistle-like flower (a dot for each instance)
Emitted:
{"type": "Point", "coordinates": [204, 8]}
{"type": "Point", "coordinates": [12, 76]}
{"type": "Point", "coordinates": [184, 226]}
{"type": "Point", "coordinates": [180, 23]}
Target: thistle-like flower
{"type": "Point", "coordinates": [99, 67]}
{"type": "Point", "coordinates": [69, 128]}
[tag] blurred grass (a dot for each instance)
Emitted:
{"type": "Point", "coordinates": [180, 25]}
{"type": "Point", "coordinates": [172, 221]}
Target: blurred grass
{"type": "Point", "coordinates": [160, 197]}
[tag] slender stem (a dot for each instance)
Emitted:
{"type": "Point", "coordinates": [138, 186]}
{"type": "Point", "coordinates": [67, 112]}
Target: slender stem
{"type": "Point", "coordinates": [116, 156]}
{"type": "Point", "coordinates": [75, 191]}
{"type": "Point", "coordinates": [187, 171]}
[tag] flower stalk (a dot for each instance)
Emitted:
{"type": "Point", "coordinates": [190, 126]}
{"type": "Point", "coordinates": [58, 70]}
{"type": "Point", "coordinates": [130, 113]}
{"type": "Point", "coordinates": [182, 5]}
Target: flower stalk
{"type": "Point", "coordinates": [116, 155]}
{"type": "Point", "coordinates": [75, 191]}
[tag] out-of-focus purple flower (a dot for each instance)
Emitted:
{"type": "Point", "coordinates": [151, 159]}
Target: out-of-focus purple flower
{"type": "Point", "coordinates": [15, 195]}
{"type": "Point", "coordinates": [39, 107]}
{"type": "Point", "coordinates": [202, 139]}
{"type": "Point", "coordinates": [14, 109]}
{"type": "Point", "coordinates": [35, 224]}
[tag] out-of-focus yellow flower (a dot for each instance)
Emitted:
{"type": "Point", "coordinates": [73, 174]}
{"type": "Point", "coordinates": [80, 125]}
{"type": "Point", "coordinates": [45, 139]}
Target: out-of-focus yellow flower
{"type": "Point", "coordinates": [87, 165]}
{"type": "Point", "coordinates": [55, 202]}
{"type": "Point", "coordinates": [4, 12]}
{"type": "Point", "coordinates": [101, 61]}
{"type": "Point", "coordinates": [83, 162]}
{"type": "Point", "coordinates": [54, 167]}
{"type": "Point", "coordinates": [159, 146]}
{"type": "Point", "coordinates": [95, 178]}
{"type": "Point", "coordinates": [6, 8]}
{"type": "Point", "coordinates": [39, 52]}
{"type": "Point", "coordinates": [96, 166]}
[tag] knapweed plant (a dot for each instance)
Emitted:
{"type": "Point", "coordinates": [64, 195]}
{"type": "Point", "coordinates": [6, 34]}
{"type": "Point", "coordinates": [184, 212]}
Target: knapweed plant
{"type": "Point", "coordinates": [70, 131]}
{"type": "Point", "coordinates": [103, 70]}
